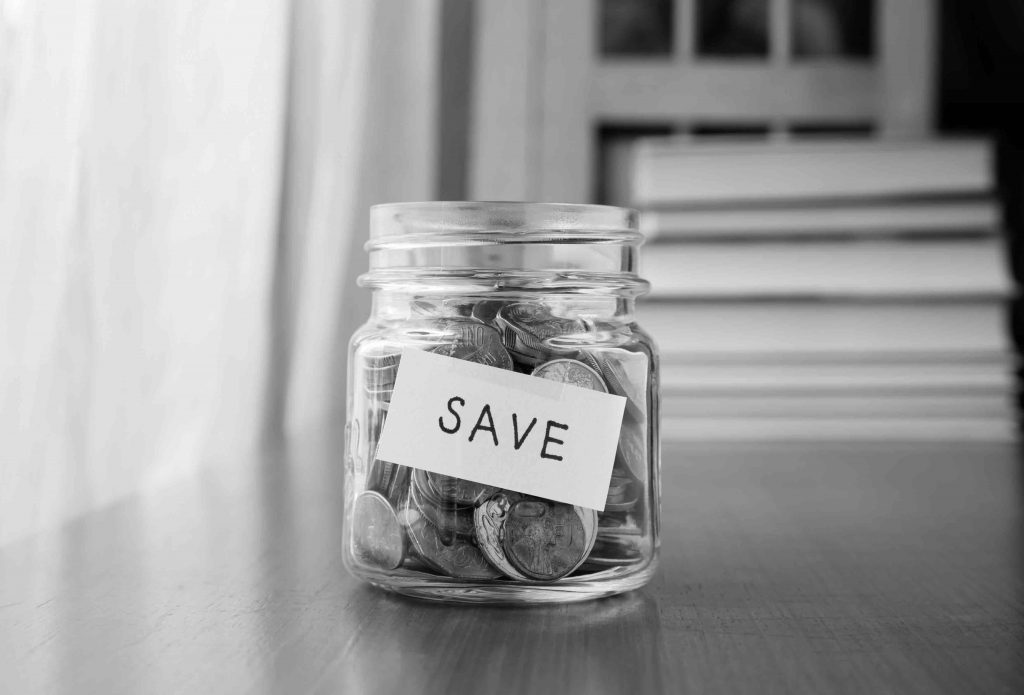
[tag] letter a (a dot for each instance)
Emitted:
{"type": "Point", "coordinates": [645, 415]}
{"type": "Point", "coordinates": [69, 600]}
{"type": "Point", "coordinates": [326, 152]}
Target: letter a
{"type": "Point", "coordinates": [486, 410]}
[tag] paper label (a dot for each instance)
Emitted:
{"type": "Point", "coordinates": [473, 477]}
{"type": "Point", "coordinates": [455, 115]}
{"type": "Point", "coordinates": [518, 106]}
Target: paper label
{"type": "Point", "coordinates": [501, 428]}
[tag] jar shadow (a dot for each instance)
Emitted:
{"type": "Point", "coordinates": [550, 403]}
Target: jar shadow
{"type": "Point", "coordinates": [609, 645]}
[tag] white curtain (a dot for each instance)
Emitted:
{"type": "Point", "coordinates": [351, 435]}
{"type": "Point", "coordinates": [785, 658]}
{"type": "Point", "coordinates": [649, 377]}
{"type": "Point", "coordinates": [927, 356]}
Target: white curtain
{"type": "Point", "coordinates": [183, 194]}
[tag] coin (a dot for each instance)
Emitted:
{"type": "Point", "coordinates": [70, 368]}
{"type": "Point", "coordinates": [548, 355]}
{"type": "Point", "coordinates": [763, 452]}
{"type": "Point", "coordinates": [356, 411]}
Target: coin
{"type": "Point", "coordinates": [526, 326]}
{"type": "Point", "coordinates": [450, 555]}
{"type": "Point", "coordinates": [411, 563]}
{"type": "Point", "coordinates": [379, 388]}
{"type": "Point", "coordinates": [389, 479]}
{"type": "Point", "coordinates": [619, 488]}
{"type": "Point", "coordinates": [448, 519]}
{"type": "Point", "coordinates": [459, 306]}
{"type": "Point", "coordinates": [407, 514]}
{"type": "Point", "coordinates": [622, 505]}
{"type": "Point", "coordinates": [381, 355]}
{"type": "Point", "coordinates": [380, 476]}
{"type": "Point", "coordinates": [616, 524]}
{"type": "Point", "coordinates": [590, 359]}
{"type": "Point", "coordinates": [375, 417]}
{"type": "Point", "coordinates": [611, 366]}
{"type": "Point", "coordinates": [599, 561]}
{"type": "Point", "coordinates": [420, 482]}
{"type": "Point", "coordinates": [432, 308]}
{"type": "Point", "coordinates": [458, 490]}
{"type": "Point", "coordinates": [380, 369]}
{"type": "Point", "coordinates": [377, 535]}
{"type": "Point", "coordinates": [571, 372]}
{"type": "Point", "coordinates": [489, 518]}
{"type": "Point", "coordinates": [631, 452]}
{"type": "Point", "coordinates": [469, 339]}
{"type": "Point", "coordinates": [426, 489]}
{"type": "Point", "coordinates": [612, 552]}
{"type": "Point", "coordinates": [547, 540]}
{"type": "Point", "coordinates": [425, 308]}
{"type": "Point", "coordinates": [487, 309]}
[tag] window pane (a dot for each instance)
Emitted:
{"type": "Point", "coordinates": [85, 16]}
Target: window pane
{"type": "Point", "coordinates": [729, 129]}
{"type": "Point", "coordinates": [636, 27]}
{"type": "Point", "coordinates": [831, 129]}
{"type": "Point", "coordinates": [824, 28]}
{"type": "Point", "coordinates": [732, 28]}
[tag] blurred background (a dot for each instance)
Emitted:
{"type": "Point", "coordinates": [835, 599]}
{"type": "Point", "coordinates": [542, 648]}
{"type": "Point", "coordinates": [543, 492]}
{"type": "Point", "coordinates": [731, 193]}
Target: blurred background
{"type": "Point", "coordinates": [831, 188]}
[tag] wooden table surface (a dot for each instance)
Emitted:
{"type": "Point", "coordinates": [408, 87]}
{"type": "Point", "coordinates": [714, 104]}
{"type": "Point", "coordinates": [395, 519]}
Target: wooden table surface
{"type": "Point", "coordinates": [828, 568]}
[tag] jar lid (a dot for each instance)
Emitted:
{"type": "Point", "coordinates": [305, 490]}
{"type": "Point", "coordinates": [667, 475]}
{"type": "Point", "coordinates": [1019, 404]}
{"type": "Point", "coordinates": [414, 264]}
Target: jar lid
{"type": "Point", "coordinates": [551, 243]}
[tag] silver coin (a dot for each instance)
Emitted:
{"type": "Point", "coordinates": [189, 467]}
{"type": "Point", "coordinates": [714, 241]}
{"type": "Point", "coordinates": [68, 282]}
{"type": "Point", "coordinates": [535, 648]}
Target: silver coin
{"type": "Point", "coordinates": [547, 540]}
{"type": "Point", "coordinates": [597, 561]}
{"type": "Point", "coordinates": [619, 487]}
{"type": "Point", "coordinates": [449, 520]}
{"type": "Point", "coordinates": [450, 555]}
{"type": "Point", "coordinates": [380, 390]}
{"type": "Point", "coordinates": [377, 536]}
{"type": "Point", "coordinates": [471, 340]}
{"type": "Point", "coordinates": [571, 372]}
{"type": "Point", "coordinates": [616, 524]}
{"type": "Point", "coordinates": [611, 365]}
{"type": "Point", "coordinates": [621, 550]}
{"type": "Point", "coordinates": [407, 514]}
{"type": "Point", "coordinates": [458, 491]}
{"type": "Point", "coordinates": [433, 308]}
{"type": "Point", "coordinates": [527, 326]}
{"type": "Point", "coordinates": [381, 356]}
{"type": "Point", "coordinates": [425, 308]}
{"type": "Point", "coordinates": [380, 475]}
{"type": "Point", "coordinates": [485, 310]}
{"type": "Point", "coordinates": [612, 551]}
{"type": "Point", "coordinates": [375, 417]}
{"type": "Point", "coordinates": [423, 482]}
{"type": "Point", "coordinates": [390, 480]}
{"type": "Point", "coordinates": [590, 359]}
{"type": "Point", "coordinates": [631, 453]}
{"type": "Point", "coordinates": [621, 505]}
{"type": "Point", "coordinates": [489, 518]}
{"type": "Point", "coordinates": [458, 306]}
{"type": "Point", "coordinates": [380, 369]}
{"type": "Point", "coordinates": [411, 563]}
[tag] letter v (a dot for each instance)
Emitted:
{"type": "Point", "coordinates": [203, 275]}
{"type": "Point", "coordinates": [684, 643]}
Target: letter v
{"type": "Point", "coordinates": [515, 430]}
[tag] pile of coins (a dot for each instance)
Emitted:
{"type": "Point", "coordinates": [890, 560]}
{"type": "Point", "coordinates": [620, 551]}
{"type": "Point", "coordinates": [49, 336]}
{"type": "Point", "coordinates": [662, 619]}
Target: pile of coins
{"type": "Point", "coordinates": [412, 520]}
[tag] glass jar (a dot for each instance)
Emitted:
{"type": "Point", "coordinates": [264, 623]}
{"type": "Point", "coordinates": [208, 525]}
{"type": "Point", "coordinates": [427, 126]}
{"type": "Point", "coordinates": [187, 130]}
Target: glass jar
{"type": "Point", "coordinates": [543, 290]}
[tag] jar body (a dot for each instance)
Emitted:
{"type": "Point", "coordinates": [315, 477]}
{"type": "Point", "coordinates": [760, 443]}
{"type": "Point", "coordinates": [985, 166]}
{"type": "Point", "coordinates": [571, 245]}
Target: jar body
{"type": "Point", "coordinates": [623, 553]}
{"type": "Point", "coordinates": [441, 537]}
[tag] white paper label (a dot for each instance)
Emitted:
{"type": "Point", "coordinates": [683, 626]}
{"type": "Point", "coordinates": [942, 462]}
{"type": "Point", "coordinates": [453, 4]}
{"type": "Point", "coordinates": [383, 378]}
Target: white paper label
{"type": "Point", "coordinates": [501, 428]}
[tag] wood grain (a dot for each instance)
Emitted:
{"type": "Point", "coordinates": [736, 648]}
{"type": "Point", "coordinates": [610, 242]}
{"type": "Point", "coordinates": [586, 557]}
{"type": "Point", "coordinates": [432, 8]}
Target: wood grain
{"type": "Point", "coordinates": [867, 569]}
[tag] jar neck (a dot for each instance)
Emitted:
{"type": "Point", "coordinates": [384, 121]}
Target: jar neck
{"type": "Point", "coordinates": [404, 304]}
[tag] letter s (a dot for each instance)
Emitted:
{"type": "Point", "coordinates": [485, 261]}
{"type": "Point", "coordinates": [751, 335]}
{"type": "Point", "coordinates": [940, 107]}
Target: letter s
{"type": "Point", "coordinates": [458, 420]}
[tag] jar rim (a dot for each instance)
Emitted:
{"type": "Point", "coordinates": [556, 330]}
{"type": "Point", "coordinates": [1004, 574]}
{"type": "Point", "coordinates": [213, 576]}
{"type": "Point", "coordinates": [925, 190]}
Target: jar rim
{"type": "Point", "coordinates": [521, 245]}
{"type": "Point", "coordinates": [513, 221]}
